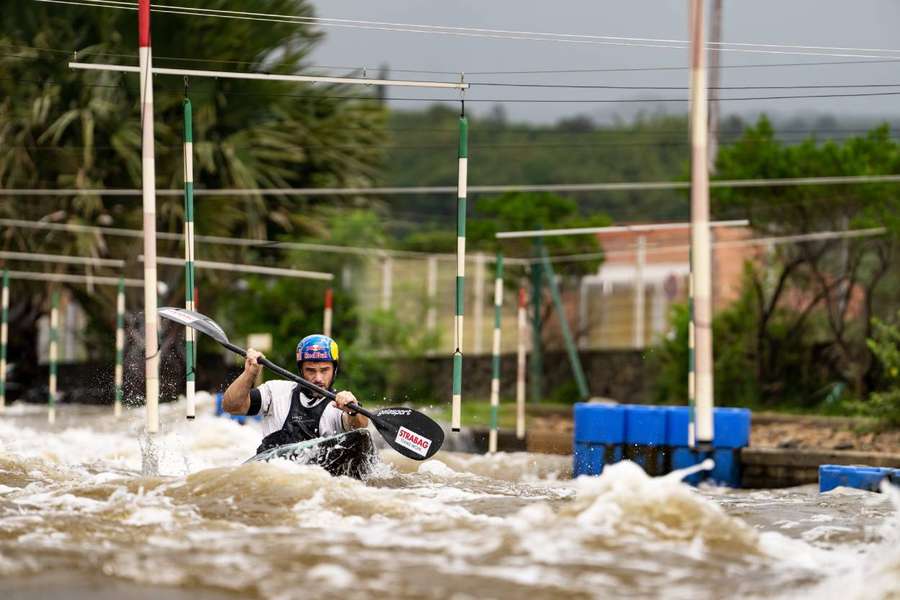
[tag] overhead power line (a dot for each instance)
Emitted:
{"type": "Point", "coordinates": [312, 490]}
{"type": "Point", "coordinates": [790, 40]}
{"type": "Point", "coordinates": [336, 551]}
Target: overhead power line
{"type": "Point", "coordinates": [479, 32]}
{"type": "Point", "coordinates": [478, 189]}
{"type": "Point", "coordinates": [240, 242]}
{"type": "Point", "coordinates": [241, 268]}
{"type": "Point", "coordinates": [547, 71]}
{"type": "Point", "coordinates": [270, 76]}
{"type": "Point", "coordinates": [533, 233]}
{"type": "Point", "coordinates": [239, 75]}
{"type": "Point", "coordinates": [62, 259]}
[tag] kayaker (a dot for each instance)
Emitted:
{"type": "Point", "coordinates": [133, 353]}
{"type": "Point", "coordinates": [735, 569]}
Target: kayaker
{"type": "Point", "coordinates": [289, 413]}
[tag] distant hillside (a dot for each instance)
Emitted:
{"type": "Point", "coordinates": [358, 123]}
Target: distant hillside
{"type": "Point", "coordinates": [422, 151]}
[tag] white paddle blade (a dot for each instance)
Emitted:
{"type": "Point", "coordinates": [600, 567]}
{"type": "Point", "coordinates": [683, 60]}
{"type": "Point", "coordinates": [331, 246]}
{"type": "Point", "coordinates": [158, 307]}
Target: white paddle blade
{"type": "Point", "coordinates": [194, 320]}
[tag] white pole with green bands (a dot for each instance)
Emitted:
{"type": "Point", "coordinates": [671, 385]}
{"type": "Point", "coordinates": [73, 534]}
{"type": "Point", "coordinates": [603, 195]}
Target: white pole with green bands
{"type": "Point", "coordinates": [54, 356]}
{"type": "Point", "coordinates": [4, 337]}
{"type": "Point", "coordinates": [495, 362]}
{"type": "Point", "coordinates": [190, 350]}
{"type": "Point", "coordinates": [460, 272]}
{"type": "Point", "coordinates": [120, 347]}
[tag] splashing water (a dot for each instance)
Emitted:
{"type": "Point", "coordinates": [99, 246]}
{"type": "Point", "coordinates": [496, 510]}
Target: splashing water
{"type": "Point", "coordinates": [77, 516]}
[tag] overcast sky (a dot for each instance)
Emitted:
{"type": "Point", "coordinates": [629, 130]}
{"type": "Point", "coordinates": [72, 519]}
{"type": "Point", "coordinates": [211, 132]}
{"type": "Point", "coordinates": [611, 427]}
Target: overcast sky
{"type": "Point", "coordinates": [844, 23]}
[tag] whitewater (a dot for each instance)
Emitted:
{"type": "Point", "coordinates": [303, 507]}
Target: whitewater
{"type": "Point", "coordinates": [79, 520]}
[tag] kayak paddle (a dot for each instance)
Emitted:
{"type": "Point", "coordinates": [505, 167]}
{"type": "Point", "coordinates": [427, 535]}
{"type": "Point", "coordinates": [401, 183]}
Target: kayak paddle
{"type": "Point", "coordinates": [407, 431]}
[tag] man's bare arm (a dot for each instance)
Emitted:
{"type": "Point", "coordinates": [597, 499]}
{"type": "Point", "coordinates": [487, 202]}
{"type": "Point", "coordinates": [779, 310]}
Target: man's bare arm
{"type": "Point", "coordinates": [349, 421]}
{"type": "Point", "coordinates": [236, 400]}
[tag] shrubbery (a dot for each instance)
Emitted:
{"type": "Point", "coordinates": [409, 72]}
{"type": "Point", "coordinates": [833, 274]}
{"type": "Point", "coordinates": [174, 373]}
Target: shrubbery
{"type": "Point", "coordinates": [885, 345]}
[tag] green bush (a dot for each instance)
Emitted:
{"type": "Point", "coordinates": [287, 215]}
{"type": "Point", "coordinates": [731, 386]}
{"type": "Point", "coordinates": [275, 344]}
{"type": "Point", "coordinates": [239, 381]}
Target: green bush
{"type": "Point", "coordinates": [885, 345]}
{"type": "Point", "coordinates": [780, 368]}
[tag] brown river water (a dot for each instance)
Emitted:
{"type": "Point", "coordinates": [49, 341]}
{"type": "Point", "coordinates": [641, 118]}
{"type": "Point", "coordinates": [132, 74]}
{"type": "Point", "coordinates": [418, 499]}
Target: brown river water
{"type": "Point", "coordinates": [78, 520]}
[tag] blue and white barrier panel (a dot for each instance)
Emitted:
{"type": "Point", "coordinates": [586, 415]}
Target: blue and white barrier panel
{"type": "Point", "coordinates": [856, 476]}
{"type": "Point", "coordinates": [656, 437]}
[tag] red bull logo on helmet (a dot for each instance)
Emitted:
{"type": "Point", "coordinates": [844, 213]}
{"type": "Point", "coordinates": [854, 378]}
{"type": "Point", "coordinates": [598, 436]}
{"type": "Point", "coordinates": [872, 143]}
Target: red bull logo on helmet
{"type": "Point", "coordinates": [317, 348]}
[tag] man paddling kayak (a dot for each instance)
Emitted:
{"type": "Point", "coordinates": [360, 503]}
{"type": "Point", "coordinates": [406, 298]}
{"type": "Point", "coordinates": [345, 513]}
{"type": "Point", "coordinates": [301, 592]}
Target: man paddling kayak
{"type": "Point", "coordinates": [291, 414]}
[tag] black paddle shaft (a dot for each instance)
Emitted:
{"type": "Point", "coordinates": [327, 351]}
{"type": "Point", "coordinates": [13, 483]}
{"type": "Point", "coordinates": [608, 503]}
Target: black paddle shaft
{"type": "Point", "coordinates": [309, 385]}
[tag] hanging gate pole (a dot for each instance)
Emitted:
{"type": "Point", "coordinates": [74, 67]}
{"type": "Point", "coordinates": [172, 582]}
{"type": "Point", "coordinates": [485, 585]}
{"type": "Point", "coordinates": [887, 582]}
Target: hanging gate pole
{"type": "Point", "coordinates": [328, 315]}
{"type": "Point", "coordinates": [495, 359]}
{"type": "Point", "coordinates": [54, 357]}
{"type": "Point", "coordinates": [520, 363]}
{"type": "Point", "coordinates": [148, 183]}
{"type": "Point", "coordinates": [4, 337]}
{"type": "Point", "coordinates": [120, 347]}
{"type": "Point", "coordinates": [536, 359]}
{"type": "Point", "coordinates": [460, 272]}
{"type": "Point", "coordinates": [190, 336]}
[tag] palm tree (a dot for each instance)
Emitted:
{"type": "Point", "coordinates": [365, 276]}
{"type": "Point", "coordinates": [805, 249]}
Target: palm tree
{"type": "Point", "coordinates": [61, 128]}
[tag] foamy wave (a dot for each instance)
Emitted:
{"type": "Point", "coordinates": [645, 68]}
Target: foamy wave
{"type": "Point", "coordinates": [625, 501]}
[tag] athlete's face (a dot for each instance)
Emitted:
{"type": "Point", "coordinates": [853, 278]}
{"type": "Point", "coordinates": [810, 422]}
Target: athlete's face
{"type": "Point", "coordinates": [319, 373]}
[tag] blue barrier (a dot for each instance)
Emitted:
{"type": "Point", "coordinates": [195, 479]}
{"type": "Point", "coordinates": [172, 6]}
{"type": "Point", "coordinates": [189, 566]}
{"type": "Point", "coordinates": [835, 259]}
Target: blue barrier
{"type": "Point", "coordinates": [856, 476]}
{"type": "Point", "coordinates": [731, 427]}
{"type": "Point", "coordinates": [590, 458]}
{"type": "Point", "coordinates": [599, 423]}
{"type": "Point", "coordinates": [656, 437]}
{"type": "Point", "coordinates": [645, 425]}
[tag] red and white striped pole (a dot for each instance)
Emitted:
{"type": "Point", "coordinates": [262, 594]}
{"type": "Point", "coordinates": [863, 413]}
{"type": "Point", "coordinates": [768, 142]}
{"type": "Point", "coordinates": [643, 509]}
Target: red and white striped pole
{"type": "Point", "coordinates": [329, 312]}
{"type": "Point", "coordinates": [148, 177]}
{"type": "Point", "coordinates": [520, 363]}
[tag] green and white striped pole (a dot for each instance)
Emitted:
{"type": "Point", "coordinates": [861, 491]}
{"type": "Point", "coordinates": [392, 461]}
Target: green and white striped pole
{"type": "Point", "coordinates": [54, 356]}
{"type": "Point", "coordinates": [495, 378]}
{"type": "Point", "coordinates": [460, 271]}
{"type": "Point", "coordinates": [120, 347]}
{"type": "Point", "coordinates": [4, 336]}
{"type": "Point", "coordinates": [190, 351]}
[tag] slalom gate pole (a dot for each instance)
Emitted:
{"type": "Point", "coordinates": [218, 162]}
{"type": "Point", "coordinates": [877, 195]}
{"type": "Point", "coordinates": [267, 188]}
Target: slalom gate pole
{"type": "Point", "coordinates": [329, 312]}
{"type": "Point", "coordinates": [54, 356]}
{"type": "Point", "coordinates": [4, 337]}
{"type": "Point", "coordinates": [536, 359]}
{"type": "Point", "coordinates": [495, 362]}
{"type": "Point", "coordinates": [190, 336]}
{"type": "Point", "coordinates": [458, 320]}
{"type": "Point", "coordinates": [120, 347]}
{"type": "Point", "coordinates": [148, 184]}
{"type": "Point", "coordinates": [521, 364]}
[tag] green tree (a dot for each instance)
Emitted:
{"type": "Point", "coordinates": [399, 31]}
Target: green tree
{"type": "Point", "coordinates": [795, 375]}
{"type": "Point", "coordinates": [831, 281]}
{"type": "Point", "coordinates": [884, 405]}
{"type": "Point", "coordinates": [61, 128]}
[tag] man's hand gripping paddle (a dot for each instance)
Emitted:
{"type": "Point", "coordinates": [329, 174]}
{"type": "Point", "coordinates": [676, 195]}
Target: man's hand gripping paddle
{"type": "Point", "coordinates": [407, 431]}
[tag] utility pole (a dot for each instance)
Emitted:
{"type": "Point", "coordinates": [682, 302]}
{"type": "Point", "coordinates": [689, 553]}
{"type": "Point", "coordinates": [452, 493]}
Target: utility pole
{"type": "Point", "coordinates": [715, 35]}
